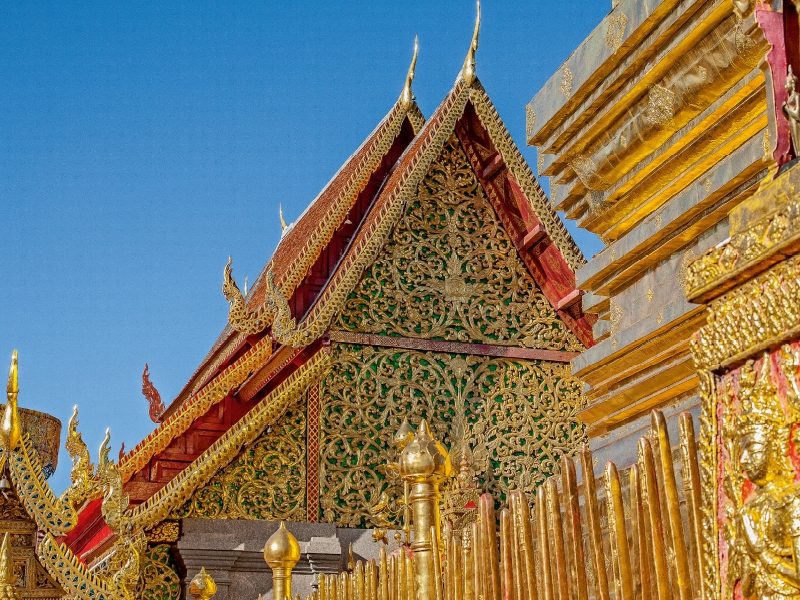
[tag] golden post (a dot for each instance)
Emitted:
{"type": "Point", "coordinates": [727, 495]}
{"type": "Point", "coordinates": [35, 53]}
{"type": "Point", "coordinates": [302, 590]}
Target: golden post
{"type": "Point", "coordinates": [281, 554]}
{"type": "Point", "coordinates": [424, 464]}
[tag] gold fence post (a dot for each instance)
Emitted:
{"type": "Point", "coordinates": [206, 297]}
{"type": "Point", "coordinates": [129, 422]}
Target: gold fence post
{"type": "Point", "coordinates": [281, 554]}
{"type": "Point", "coordinates": [424, 464]}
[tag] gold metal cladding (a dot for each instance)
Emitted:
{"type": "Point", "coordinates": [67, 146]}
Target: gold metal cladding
{"type": "Point", "coordinates": [560, 580]}
{"type": "Point", "coordinates": [10, 430]}
{"type": "Point", "coordinates": [203, 586]}
{"type": "Point", "coordinates": [650, 492]}
{"type": "Point", "coordinates": [521, 514]}
{"type": "Point", "coordinates": [506, 568]}
{"type": "Point", "coordinates": [543, 539]}
{"type": "Point", "coordinates": [638, 519]}
{"type": "Point", "coordinates": [620, 551]}
{"type": "Point", "coordinates": [491, 560]}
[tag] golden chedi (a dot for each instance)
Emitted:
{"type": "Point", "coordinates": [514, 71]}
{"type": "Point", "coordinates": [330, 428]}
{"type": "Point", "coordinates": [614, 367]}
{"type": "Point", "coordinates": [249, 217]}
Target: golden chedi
{"type": "Point", "coordinates": [281, 554]}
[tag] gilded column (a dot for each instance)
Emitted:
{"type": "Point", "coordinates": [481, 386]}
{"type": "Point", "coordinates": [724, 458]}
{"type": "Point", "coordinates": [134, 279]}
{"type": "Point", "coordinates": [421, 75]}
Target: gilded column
{"type": "Point", "coordinates": [424, 464]}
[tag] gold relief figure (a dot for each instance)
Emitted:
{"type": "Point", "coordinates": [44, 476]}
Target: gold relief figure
{"type": "Point", "coordinates": [791, 109]}
{"type": "Point", "coordinates": [763, 525]}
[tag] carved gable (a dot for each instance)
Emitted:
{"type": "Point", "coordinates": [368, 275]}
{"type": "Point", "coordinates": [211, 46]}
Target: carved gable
{"type": "Point", "coordinates": [448, 273]}
{"type": "Point", "coordinates": [451, 272]}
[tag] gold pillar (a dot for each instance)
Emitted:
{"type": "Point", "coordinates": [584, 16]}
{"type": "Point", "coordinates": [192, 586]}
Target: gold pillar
{"type": "Point", "coordinates": [424, 464]}
{"type": "Point", "coordinates": [281, 554]}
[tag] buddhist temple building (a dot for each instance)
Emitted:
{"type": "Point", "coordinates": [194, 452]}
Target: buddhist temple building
{"type": "Point", "coordinates": [432, 280]}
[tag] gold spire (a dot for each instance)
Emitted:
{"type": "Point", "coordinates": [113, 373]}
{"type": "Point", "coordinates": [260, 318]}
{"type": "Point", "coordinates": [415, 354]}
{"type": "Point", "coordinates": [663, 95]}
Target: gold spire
{"type": "Point", "coordinates": [11, 432]}
{"type": "Point", "coordinates": [8, 590]}
{"type": "Point", "coordinates": [407, 97]}
{"type": "Point", "coordinates": [280, 214]}
{"type": "Point", "coordinates": [468, 70]}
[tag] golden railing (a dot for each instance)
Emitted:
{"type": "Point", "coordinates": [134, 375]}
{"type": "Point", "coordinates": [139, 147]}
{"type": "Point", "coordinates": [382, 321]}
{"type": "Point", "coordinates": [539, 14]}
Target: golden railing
{"type": "Point", "coordinates": [634, 536]}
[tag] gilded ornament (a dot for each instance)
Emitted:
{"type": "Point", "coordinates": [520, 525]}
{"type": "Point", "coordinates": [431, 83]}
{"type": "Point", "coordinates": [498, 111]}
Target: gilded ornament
{"type": "Point", "coordinates": [566, 81]}
{"type": "Point", "coordinates": [587, 172]}
{"type": "Point", "coordinates": [530, 123]}
{"type": "Point", "coordinates": [165, 532]}
{"type": "Point", "coordinates": [267, 481]}
{"type": "Point", "coordinates": [615, 315]}
{"type": "Point", "coordinates": [407, 95]}
{"type": "Point", "coordinates": [707, 184]}
{"type": "Point", "coordinates": [615, 32]}
{"type": "Point", "coordinates": [239, 317]}
{"type": "Point", "coordinates": [747, 48]}
{"type": "Point", "coordinates": [153, 397]}
{"type": "Point", "coordinates": [748, 319]}
{"type": "Point", "coordinates": [160, 577]}
{"type": "Point", "coordinates": [467, 74]}
{"type": "Point", "coordinates": [202, 586]}
{"type": "Point", "coordinates": [766, 143]}
{"type": "Point", "coordinates": [683, 277]}
{"type": "Point", "coordinates": [539, 160]}
{"type": "Point", "coordinates": [661, 106]}
{"type": "Point", "coordinates": [791, 109]}
{"type": "Point", "coordinates": [649, 295]}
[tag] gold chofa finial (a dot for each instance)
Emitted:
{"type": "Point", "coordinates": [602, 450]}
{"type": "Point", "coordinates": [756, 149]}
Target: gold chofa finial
{"type": "Point", "coordinates": [468, 70]}
{"type": "Point", "coordinates": [11, 432]}
{"type": "Point", "coordinates": [280, 214]}
{"type": "Point", "coordinates": [6, 563]}
{"type": "Point", "coordinates": [407, 97]}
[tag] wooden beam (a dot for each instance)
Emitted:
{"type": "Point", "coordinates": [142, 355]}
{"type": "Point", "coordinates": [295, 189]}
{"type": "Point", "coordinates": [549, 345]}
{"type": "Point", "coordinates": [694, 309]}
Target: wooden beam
{"type": "Point", "coordinates": [568, 300]}
{"type": "Point", "coordinates": [493, 167]}
{"type": "Point", "coordinates": [533, 236]}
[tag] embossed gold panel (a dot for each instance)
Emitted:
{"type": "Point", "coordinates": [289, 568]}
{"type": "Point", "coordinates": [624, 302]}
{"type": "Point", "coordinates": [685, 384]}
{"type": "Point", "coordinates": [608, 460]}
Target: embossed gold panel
{"type": "Point", "coordinates": [159, 577]}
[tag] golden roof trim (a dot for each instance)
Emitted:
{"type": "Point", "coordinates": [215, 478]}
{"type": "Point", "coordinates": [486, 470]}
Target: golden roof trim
{"type": "Point", "coordinates": [220, 453]}
{"type": "Point", "coordinates": [194, 408]}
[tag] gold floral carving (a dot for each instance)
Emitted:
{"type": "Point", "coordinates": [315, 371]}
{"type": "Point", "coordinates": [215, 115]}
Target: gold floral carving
{"type": "Point", "coordinates": [683, 270]}
{"type": "Point", "coordinates": [195, 407]}
{"type": "Point", "coordinates": [615, 315]}
{"type": "Point", "coordinates": [178, 491]}
{"type": "Point", "coordinates": [451, 272]}
{"type": "Point", "coordinates": [539, 160]}
{"type": "Point", "coordinates": [266, 481]}
{"type": "Point", "coordinates": [661, 106]}
{"type": "Point", "coordinates": [518, 417]}
{"type": "Point", "coordinates": [759, 313]}
{"type": "Point", "coordinates": [165, 532]}
{"type": "Point", "coordinates": [616, 31]}
{"type": "Point", "coordinates": [760, 239]}
{"type": "Point", "coordinates": [566, 81]}
{"type": "Point", "coordinates": [160, 578]}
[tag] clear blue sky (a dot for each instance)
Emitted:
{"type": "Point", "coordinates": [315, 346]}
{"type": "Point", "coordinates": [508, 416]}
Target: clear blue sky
{"type": "Point", "coordinates": [144, 142]}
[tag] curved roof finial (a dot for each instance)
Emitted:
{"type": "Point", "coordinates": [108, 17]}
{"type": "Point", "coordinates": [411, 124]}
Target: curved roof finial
{"type": "Point", "coordinates": [468, 70]}
{"type": "Point", "coordinates": [407, 97]}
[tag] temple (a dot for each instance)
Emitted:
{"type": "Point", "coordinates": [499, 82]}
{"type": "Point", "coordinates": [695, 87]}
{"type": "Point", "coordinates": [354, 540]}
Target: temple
{"type": "Point", "coordinates": [428, 393]}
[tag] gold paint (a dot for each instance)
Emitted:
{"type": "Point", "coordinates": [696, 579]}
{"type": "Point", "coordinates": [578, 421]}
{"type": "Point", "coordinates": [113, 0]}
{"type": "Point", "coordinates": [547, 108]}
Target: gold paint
{"type": "Point", "coordinates": [160, 578]}
{"type": "Point", "coordinates": [707, 185]}
{"type": "Point", "coordinates": [615, 315]}
{"type": "Point", "coordinates": [766, 144]}
{"type": "Point", "coordinates": [649, 295]}
{"type": "Point", "coordinates": [683, 275]}
{"type": "Point", "coordinates": [451, 271]}
{"type": "Point", "coordinates": [587, 172]}
{"type": "Point", "coordinates": [566, 81]}
{"type": "Point", "coordinates": [530, 122]}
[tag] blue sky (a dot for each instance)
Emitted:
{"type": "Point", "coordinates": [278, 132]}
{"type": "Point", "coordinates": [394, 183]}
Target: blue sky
{"type": "Point", "coordinates": [143, 142]}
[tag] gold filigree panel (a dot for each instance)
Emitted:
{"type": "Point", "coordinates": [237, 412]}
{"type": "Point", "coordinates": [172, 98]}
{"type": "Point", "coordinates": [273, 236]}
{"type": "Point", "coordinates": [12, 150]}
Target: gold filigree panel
{"type": "Point", "coordinates": [451, 272]}
{"type": "Point", "coordinates": [517, 418]}
{"type": "Point", "coordinates": [267, 481]}
{"type": "Point", "coordinates": [159, 577]}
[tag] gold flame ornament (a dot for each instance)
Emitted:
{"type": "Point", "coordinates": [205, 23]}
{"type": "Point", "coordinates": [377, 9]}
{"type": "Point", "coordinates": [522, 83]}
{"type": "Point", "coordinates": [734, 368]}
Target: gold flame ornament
{"type": "Point", "coordinates": [8, 590]}
{"type": "Point", "coordinates": [10, 431]}
{"type": "Point", "coordinates": [468, 70]}
{"type": "Point", "coordinates": [407, 96]}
